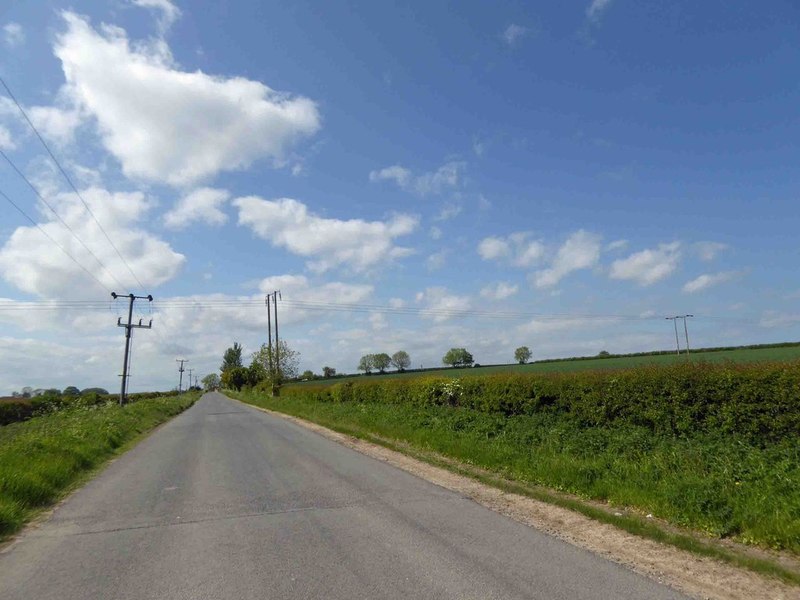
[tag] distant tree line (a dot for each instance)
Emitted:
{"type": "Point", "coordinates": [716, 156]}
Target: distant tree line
{"type": "Point", "coordinates": [400, 360]}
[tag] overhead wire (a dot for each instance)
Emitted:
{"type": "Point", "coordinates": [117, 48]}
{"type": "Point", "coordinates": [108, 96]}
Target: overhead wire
{"type": "Point", "coordinates": [49, 237]}
{"type": "Point", "coordinates": [69, 180]}
{"type": "Point", "coordinates": [62, 221]}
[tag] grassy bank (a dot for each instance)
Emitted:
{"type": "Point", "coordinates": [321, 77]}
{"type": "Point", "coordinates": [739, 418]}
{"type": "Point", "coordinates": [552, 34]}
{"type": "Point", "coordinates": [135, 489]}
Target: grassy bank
{"type": "Point", "coordinates": [40, 459]}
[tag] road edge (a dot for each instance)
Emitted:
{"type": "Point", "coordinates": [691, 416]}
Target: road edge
{"type": "Point", "coordinates": [691, 574]}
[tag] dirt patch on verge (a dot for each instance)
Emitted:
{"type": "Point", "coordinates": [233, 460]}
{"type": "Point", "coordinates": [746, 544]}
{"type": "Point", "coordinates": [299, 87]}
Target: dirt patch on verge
{"type": "Point", "coordinates": [696, 576]}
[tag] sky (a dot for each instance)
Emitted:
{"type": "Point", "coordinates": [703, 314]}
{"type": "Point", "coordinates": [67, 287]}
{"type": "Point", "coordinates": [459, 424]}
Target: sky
{"type": "Point", "coordinates": [414, 176]}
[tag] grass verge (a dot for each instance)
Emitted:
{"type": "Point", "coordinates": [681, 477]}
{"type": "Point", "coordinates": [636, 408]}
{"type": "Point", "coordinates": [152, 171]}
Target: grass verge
{"type": "Point", "coordinates": [44, 458]}
{"type": "Point", "coordinates": [681, 481]}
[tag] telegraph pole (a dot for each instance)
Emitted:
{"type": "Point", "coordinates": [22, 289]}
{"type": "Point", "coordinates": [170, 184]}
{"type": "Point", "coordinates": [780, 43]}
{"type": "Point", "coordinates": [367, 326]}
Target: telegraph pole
{"type": "Point", "coordinates": [271, 300]}
{"type": "Point", "coordinates": [686, 331]}
{"type": "Point", "coordinates": [269, 333]}
{"type": "Point", "coordinates": [128, 327]}
{"type": "Point", "coordinates": [675, 322]}
{"type": "Point", "coordinates": [180, 370]}
{"type": "Point", "coordinates": [190, 378]}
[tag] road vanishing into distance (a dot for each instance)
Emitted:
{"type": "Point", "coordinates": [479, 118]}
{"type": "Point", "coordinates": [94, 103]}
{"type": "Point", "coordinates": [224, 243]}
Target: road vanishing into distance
{"type": "Point", "coordinates": [225, 501]}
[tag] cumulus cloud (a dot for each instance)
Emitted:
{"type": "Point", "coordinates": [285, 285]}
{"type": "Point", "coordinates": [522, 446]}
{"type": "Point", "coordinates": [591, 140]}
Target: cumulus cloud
{"type": "Point", "coordinates": [499, 291]}
{"type": "Point", "coordinates": [32, 263]}
{"type": "Point", "coordinates": [173, 126]}
{"type": "Point", "coordinates": [56, 123]}
{"type": "Point", "coordinates": [518, 247]}
{"type": "Point", "coordinates": [448, 212]}
{"type": "Point", "coordinates": [648, 266]}
{"type": "Point", "coordinates": [202, 205]}
{"type": "Point", "coordinates": [448, 176]}
{"type": "Point", "coordinates": [354, 243]}
{"type": "Point", "coordinates": [436, 260]}
{"type": "Point", "coordinates": [514, 33]}
{"type": "Point", "coordinates": [596, 9]}
{"type": "Point", "coordinates": [707, 280]}
{"type": "Point", "coordinates": [581, 250]}
{"type": "Point", "coordinates": [617, 245]}
{"type": "Point", "coordinates": [441, 304]}
{"type": "Point", "coordinates": [13, 34]}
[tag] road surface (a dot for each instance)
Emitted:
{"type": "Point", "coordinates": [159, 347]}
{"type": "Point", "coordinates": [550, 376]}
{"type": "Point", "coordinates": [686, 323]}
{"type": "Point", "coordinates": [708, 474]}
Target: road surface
{"type": "Point", "coordinates": [226, 501]}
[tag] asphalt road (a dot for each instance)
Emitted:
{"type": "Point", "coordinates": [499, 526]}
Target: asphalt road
{"type": "Point", "coordinates": [226, 502]}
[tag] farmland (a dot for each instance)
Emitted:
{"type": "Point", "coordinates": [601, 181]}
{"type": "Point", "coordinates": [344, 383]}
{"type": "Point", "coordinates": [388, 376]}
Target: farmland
{"type": "Point", "coordinates": [778, 352]}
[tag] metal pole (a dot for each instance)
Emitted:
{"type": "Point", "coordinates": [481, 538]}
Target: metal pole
{"type": "Point", "coordinates": [123, 388]}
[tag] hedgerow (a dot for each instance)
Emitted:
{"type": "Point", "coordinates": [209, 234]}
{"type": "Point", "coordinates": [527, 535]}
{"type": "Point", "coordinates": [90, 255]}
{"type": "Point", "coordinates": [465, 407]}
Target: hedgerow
{"type": "Point", "coordinates": [758, 402]}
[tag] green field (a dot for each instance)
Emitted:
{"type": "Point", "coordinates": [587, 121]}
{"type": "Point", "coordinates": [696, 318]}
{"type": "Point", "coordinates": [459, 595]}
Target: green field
{"type": "Point", "coordinates": [737, 355]}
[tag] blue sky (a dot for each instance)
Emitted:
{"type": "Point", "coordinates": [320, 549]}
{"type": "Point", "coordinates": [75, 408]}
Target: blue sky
{"type": "Point", "coordinates": [494, 174]}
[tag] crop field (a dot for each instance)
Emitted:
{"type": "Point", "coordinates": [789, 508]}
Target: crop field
{"type": "Point", "coordinates": [736, 355]}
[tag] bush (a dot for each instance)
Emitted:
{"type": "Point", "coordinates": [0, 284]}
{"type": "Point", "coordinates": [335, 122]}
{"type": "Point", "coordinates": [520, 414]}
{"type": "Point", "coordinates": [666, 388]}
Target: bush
{"type": "Point", "coordinates": [760, 402]}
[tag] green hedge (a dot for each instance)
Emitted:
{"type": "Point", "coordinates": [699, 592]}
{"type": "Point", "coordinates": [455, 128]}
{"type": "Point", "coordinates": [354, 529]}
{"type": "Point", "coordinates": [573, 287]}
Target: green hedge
{"type": "Point", "coordinates": [13, 411]}
{"type": "Point", "coordinates": [760, 402]}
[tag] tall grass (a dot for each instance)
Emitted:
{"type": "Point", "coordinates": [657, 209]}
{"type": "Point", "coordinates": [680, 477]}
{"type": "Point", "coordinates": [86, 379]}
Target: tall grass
{"type": "Point", "coordinates": [42, 457]}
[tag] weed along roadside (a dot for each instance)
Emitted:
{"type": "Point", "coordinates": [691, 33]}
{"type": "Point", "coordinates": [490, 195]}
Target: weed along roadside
{"type": "Point", "coordinates": [44, 457]}
{"type": "Point", "coordinates": [710, 448]}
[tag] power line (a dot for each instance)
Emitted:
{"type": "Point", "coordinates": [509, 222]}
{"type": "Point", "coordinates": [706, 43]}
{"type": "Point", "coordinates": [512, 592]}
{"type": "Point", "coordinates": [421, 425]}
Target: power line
{"type": "Point", "coordinates": [47, 235]}
{"type": "Point", "coordinates": [69, 180]}
{"type": "Point", "coordinates": [64, 223]}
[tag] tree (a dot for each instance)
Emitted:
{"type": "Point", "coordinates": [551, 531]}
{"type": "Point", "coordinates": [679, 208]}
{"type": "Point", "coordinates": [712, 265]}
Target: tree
{"type": "Point", "coordinates": [210, 382]}
{"type": "Point", "coordinates": [328, 372]}
{"type": "Point", "coordinates": [95, 390]}
{"type": "Point", "coordinates": [457, 357]}
{"type": "Point", "coordinates": [232, 357]}
{"type": "Point", "coordinates": [522, 354]}
{"type": "Point", "coordinates": [289, 362]}
{"type": "Point", "coordinates": [308, 374]}
{"type": "Point", "coordinates": [68, 391]}
{"type": "Point", "coordinates": [381, 361]}
{"type": "Point", "coordinates": [234, 378]}
{"type": "Point", "coordinates": [604, 354]}
{"type": "Point", "coordinates": [401, 360]}
{"type": "Point", "coordinates": [366, 364]}
{"type": "Point", "coordinates": [256, 372]}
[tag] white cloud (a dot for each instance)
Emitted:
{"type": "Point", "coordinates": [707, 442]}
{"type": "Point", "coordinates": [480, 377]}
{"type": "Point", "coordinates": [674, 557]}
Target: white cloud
{"type": "Point", "coordinates": [448, 211]}
{"type": "Point", "coordinates": [484, 203]}
{"type": "Point", "coordinates": [13, 34]}
{"type": "Point", "coordinates": [492, 248]}
{"type": "Point", "coordinates": [580, 251]}
{"type": "Point", "coordinates": [616, 245]}
{"type": "Point", "coordinates": [513, 33]}
{"type": "Point", "coordinates": [522, 251]}
{"type": "Point", "coordinates": [169, 12]}
{"type": "Point", "coordinates": [772, 319]}
{"type": "Point", "coordinates": [56, 123]}
{"type": "Point", "coordinates": [400, 175]}
{"type": "Point", "coordinates": [173, 126]}
{"type": "Point", "coordinates": [299, 288]}
{"type": "Point", "coordinates": [596, 9]}
{"type": "Point", "coordinates": [648, 266]}
{"type": "Point", "coordinates": [708, 280]}
{"type": "Point", "coordinates": [435, 233]}
{"type": "Point", "coordinates": [448, 176]}
{"type": "Point", "coordinates": [355, 243]}
{"type": "Point", "coordinates": [397, 303]}
{"type": "Point", "coordinates": [499, 291]}
{"type": "Point", "coordinates": [708, 251]}
{"type": "Point", "coordinates": [32, 263]}
{"type": "Point", "coordinates": [6, 141]}
{"type": "Point", "coordinates": [201, 205]}
{"type": "Point", "coordinates": [478, 146]}
{"type": "Point", "coordinates": [441, 304]}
